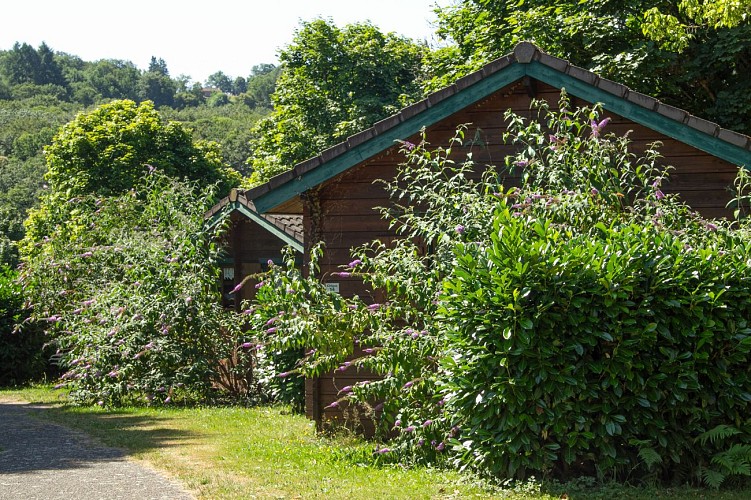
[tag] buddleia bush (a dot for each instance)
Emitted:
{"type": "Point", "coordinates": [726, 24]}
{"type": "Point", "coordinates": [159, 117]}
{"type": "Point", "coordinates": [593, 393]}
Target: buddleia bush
{"type": "Point", "coordinates": [128, 293]}
{"type": "Point", "coordinates": [580, 322]}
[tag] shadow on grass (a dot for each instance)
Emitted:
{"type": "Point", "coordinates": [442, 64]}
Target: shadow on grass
{"type": "Point", "coordinates": [51, 437]}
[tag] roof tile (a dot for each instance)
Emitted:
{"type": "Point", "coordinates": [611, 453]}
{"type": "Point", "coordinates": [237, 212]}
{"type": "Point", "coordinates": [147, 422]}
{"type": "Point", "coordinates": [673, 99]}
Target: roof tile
{"type": "Point", "coordinates": [735, 138]}
{"type": "Point", "coordinates": [307, 165]}
{"type": "Point", "coordinates": [414, 109]}
{"type": "Point", "coordinates": [672, 112]}
{"type": "Point", "coordinates": [553, 62]}
{"type": "Point", "coordinates": [496, 66]}
{"type": "Point", "coordinates": [440, 95]}
{"type": "Point", "coordinates": [612, 87]}
{"type": "Point", "coordinates": [359, 138]}
{"type": "Point", "coordinates": [468, 80]}
{"type": "Point", "coordinates": [703, 125]}
{"type": "Point", "coordinates": [582, 74]}
{"type": "Point", "coordinates": [642, 100]}
{"type": "Point", "coordinates": [387, 123]}
{"type": "Point", "coordinates": [333, 152]}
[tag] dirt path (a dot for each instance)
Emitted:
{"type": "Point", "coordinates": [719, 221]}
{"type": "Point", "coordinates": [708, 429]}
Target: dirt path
{"type": "Point", "coordinates": [42, 460]}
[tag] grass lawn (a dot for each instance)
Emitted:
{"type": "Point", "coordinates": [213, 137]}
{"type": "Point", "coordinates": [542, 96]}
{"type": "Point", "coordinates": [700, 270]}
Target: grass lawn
{"type": "Point", "coordinates": [267, 453]}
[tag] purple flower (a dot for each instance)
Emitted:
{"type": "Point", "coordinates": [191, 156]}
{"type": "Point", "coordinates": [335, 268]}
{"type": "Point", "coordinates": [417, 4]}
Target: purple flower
{"type": "Point", "coordinates": [440, 446]}
{"type": "Point", "coordinates": [346, 389]}
{"type": "Point", "coordinates": [310, 352]}
{"type": "Point", "coordinates": [411, 428]}
{"type": "Point", "coordinates": [168, 399]}
{"type": "Point", "coordinates": [382, 451]}
{"type": "Point", "coordinates": [188, 300]}
{"type": "Point", "coordinates": [459, 229]}
{"type": "Point", "coordinates": [659, 194]}
{"type": "Point", "coordinates": [594, 192]}
{"type": "Point", "coordinates": [597, 127]}
{"type": "Point", "coordinates": [87, 303]}
{"type": "Point", "coordinates": [54, 318]}
{"type": "Point", "coordinates": [284, 374]}
{"type": "Point", "coordinates": [368, 350]}
{"type": "Point", "coordinates": [238, 287]}
{"type": "Point", "coordinates": [248, 311]}
{"type": "Point", "coordinates": [421, 442]}
{"type": "Point", "coordinates": [112, 374]}
{"type": "Point", "coordinates": [397, 423]}
{"type": "Point", "coordinates": [342, 274]}
{"type": "Point", "coordinates": [335, 404]}
{"type": "Point", "coordinates": [409, 145]}
{"type": "Point", "coordinates": [521, 163]}
{"type": "Point", "coordinates": [427, 423]}
{"type": "Point", "coordinates": [259, 284]}
{"type": "Point", "coordinates": [246, 345]}
{"type": "Point", "coordinates": [271, 330]}
{"type": "Point", "coordinates": [374, 307]}
{"type": "Point", "coordinates": [354, 263]}
{"type": "Point", "coordinates": [86, 254]}
{"type": "Point", "coordinates": [408, 384]}
{"type": "Point", "coordinates": [270, 263]}
{"type": "Point", "coordinates": [711, 226]}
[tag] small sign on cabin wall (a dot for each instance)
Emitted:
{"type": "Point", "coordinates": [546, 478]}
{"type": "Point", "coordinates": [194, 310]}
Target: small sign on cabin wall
{"type": "Point", "coordinates": [332, 287]}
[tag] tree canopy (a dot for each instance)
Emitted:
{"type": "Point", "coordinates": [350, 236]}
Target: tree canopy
{"type": "Point", "coordinates": [106, 152]}
{"type": "Point", "coordinates": [334, 82]}
{"type": "Point", "coordinates": [618, 40]}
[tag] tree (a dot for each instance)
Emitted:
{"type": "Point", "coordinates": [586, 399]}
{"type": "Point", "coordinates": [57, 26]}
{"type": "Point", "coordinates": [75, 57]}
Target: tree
{"type": "Point", "coordinates": [106, 152]}
{"type": "Point", "coordinates": [261, 85]}
{"type": "Point", "coordinates": [334, 82]}
{"type": "Point", "coordinates": [609, 38]}
{"type": "Point", "coordinates": [220, 81]}
{"type": "Point", "coordinates": [155, 84]}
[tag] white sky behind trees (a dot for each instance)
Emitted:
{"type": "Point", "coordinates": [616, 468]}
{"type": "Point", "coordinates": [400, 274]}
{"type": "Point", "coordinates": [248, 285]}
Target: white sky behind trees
{"type": "Point", "coordinates": [196, 38]}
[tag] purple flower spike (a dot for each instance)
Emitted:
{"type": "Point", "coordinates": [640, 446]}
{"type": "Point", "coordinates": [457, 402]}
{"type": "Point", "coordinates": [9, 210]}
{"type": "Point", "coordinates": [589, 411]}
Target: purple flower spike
{"type": "Point", "coordinates": [595, 192]}
{"type": "Point", "coordinates": [86, 254]}
{"type": "Point", "coordinates": [259, 284]}
{"type": "Point", "coordinates": [342, 274]}
{"type": "Point", "coordinates": [374, 307]}
{"type": "Point", "coordinates": [440, 446]}
{"type": "Point", "coordinates": [427, 423]}
{"type": "Point", "coordinates": [354, 263]}
{"type": "Point", "coordinates": [382, 451]}
{"type": "Point", "coordinates": [421, 442]}
{"type": "Point", "coordinates": [271, 330]}
{"type": "Point", "coordinates": [346, 389]}
{"type": "Point", "coordinates": [168, 399]}
{"type": "Point", "coordinates": [711, 227]}
{"type": "Point", "coordinates": [238, 287]}
{"type": "Point", "coordinates": [408, 384]}
{"type": "Point", "coordinates": [411, 428]}
{"type": "Point", "coordinates": [521, 163]}
{"type": "Point", "coordinates": [247, 345]}
{"type": "Point", "coordinates": [368, 350]}
{"type": "Point", "coordinates": [409, 145]}
{"type": "Point", "coordinates": [459, 229]}
{"type": "Point", "coordinates": [284, 374]}
{"type": "Point", "coordinates": [335, 404]}
{"type": "Point", "coordinates": [659, 194]}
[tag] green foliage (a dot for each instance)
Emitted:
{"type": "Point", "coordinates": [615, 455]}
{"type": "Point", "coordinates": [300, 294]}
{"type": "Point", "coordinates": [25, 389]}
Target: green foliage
{"type": "Point", "coordinates": [701, 74]}
{"type": "Point", "coordinates": [334, 82]}
{"type": "Point", "coordinates": [21, 357]}
{"type": "Point", "coordinates": [105, 152]}
{"type": "Point", "coordinates": [583, 323]}
{"type": "Point", "coordinates": [129, 296]}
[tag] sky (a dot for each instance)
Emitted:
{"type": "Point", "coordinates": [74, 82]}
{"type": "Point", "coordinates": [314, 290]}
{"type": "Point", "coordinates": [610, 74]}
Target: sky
{"type": "Point", "coordinates": [196, 38]}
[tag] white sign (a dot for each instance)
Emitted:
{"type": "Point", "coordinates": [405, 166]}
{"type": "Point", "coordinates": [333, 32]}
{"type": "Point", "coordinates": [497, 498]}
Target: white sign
{"type": "Point", "coordinates": [332, 287]}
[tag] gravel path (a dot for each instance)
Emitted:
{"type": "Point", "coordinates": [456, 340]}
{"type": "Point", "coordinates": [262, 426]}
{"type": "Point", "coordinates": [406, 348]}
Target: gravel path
{"type": "Point", "coordinates": [42, 460]}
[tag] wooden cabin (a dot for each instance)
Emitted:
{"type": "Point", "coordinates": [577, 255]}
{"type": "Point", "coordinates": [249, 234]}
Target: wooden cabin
{"type": "Point", "coordinates": [250, 242]}
{"type": "Point", "coordinates": [335, 194]}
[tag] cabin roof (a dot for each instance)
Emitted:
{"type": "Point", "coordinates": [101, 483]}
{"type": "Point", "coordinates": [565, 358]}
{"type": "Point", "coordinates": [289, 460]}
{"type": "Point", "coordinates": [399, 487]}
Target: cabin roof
{"type": "Point", "coordinates": [286, 227]}
{"type": "Point", "coordinates": [280, 192]}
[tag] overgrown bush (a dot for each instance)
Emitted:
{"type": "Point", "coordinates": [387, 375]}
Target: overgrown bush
{"type": "Point", "coordinates": [582, 322]}
{"type": "Point", "coordinates": [129, 293]}
{"type": "Point", "coordinates": [21, 357]}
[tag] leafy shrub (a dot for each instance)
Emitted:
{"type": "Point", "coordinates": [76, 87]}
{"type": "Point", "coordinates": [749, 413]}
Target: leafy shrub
{"type": "Point", "coordinates": [129, 293]}
{"type": "Point", "coordinates": [581, 323]}
{"type": "Point", "coordinates": [21, 357]}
